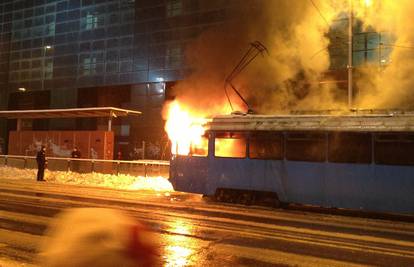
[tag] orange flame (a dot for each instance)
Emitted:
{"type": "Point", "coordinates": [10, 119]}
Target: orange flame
{"type": "Point", "coordinates": [183, 128]}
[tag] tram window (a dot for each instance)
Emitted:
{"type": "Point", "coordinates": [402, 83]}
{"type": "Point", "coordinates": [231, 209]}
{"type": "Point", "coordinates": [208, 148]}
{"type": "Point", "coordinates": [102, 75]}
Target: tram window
{"type": "Point", "coordinates": [230, 145]}
{"type": "Point", "coordinates": [350, 147]}
{"type": "Point", "coordinates": [200, 149]}
{"type": "Point", "coordinates": [394, 149]}
{"type": "Point", "coordinates": [306, 147]}
{"type": "Point", "coordinates": [266, 146]}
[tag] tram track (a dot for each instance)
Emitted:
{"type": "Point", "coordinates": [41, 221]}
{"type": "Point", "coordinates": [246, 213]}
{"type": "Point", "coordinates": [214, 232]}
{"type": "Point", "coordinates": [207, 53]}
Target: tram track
{"type": "Point", "coordinates": [200, 212]}
{"type": "Point", "coordinates": [315, 235]}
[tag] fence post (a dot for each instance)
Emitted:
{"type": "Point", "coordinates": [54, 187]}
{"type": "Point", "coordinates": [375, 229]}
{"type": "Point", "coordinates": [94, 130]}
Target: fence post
{"type": "Point", "coordinates": [117, 168]}
{"type": "Point", "coordinates": [93, 166]}
{"type": "Point", "coordinates": [145, 169]}
{"type": "Point", "coordinates": [25, 163]}
{"type": "Point", "coordinates": [68, 165]}
{"type": "Point", "coordinates": [6, 159]}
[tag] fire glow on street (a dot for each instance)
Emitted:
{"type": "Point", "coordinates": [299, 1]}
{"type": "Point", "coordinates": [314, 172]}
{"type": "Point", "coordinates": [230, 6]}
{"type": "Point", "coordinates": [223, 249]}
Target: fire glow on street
{"type": "Point", "coordinates": [191, 231]}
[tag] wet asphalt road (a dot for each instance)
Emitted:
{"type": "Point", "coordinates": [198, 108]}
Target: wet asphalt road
{"type": "Point", "coordinates": [195, 232]}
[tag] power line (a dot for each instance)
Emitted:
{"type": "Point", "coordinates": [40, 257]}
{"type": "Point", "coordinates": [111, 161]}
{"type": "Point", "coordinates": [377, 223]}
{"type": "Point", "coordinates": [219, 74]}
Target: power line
{"type": "Point", "coordinates": [320, 13]}
{"type": "Point", "coordinates": [398, 46]}
{"type": "Point", "coordinates": [318, 52]}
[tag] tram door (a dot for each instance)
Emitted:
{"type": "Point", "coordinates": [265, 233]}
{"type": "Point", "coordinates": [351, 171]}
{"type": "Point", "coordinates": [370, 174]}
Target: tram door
{"type": "Point", "coordinates": [189, 173]}
{"type": "Point", "coordinates": [229, 166]}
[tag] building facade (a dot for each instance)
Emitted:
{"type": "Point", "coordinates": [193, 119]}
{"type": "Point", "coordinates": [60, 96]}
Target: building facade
{"type": "Point", "coordinates": [87, 53]}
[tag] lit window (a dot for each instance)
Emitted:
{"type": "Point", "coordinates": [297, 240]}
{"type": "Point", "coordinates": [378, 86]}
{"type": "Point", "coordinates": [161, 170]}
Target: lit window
{"type": "Point", "coordinates": [201, 148]}
{"type": "Point", "coordinates": [48, 71]}
{"type": "Point", "coordinates": [92, 21]}
{"type": "Point", "coordinates": [89, 65]}
{"type": "Point", "coordinates": [50, 29]}
{"type": "Point", "coordinates": [230, 145]}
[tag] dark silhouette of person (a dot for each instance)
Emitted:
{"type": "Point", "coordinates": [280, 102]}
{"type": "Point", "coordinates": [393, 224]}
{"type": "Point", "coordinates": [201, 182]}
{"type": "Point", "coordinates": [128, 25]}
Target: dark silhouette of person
{"type": "Point", "coordinates": [76, 154]}
{"type": "Point", "coordinates": [41, 163]}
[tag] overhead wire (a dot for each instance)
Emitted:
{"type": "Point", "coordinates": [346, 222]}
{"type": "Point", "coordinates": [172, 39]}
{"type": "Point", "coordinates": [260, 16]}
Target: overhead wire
{"type": "Point", "coordinates": [320, 12]}
{"type": "Point", "coordinates": [254, 50]}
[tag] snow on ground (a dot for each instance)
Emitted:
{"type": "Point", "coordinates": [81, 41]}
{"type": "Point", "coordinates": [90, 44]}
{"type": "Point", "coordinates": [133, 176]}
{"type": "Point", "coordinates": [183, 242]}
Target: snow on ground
{"type": "Point", "coordinates": [4, 262]}
{"type": "Point", "coordinates": [121, 181]}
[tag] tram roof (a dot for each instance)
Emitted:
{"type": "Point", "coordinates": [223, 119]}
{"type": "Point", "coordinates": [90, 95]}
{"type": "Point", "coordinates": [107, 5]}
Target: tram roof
{"type": "Point", "coordinates": [380, 122]}
{"type": "Point", "coordinates": [67, 113]}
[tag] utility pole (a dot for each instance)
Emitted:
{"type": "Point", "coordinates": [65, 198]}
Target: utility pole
{"type": "Point", "coordinates": [350, 63]}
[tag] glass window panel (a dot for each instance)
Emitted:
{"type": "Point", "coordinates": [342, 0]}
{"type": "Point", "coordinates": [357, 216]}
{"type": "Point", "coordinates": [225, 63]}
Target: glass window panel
{"type": "Point", "coordinates": [17, 15]}
{"type": "Point", "coordinates": [394, 149]}
{"type": "Point", "coordinates": [372, 40]}
{"type": "Point", "coordinates": [50, 29]}
{"type": "Point", "coordinates": [39, 11]}
{"type": "Point", "coordinates": [48, 71]}
{"type": "Point", "coordinates": [358, 58]}
{"type": "Point", "coordinates": [359, 42]}
{"type": "Point", "coordinates": [50, 9]}
{"type": "Point", "coordinates": [385, 56]}
{"type": "Point", "coordinates": [373, 57]}
{"type": "Point", "coordinates": [25, 75]}
{"type": "Point", "coordinates": [200, 148]}
{"type": "Point", "coordinates": [111, 67]}
{"type": "Point", "coordinates": [230, 145]}
{"type": "Point", "coordinates": [174, 8]}
{"type": "Point", "coordinates": [306, 147]}
{"type": "Point", "coordinates": [349, 148]}
{"type": "Point", "coordinates": [17, 35]}
{"type": "Point", "coordinates": [36, 74]}
{"type": "Point", "coordinates": [50, 18]}
{"type": "Point", "coordinates": [387, 38]}
{"type": "Point", "coordinates": [25, 65]}
{"type": "Point", "coordinates": [14, 76]}
{"type": "Point", "coordinates": [37, 32]}
{"type": "Point", "coordinates": [17, 24]}
{"type": "Point", "coordinates": [38, 21]}
{"type": "Point", "coordinates": [36, 63]}
{"type": "Point", "coordinates": [266, 146]}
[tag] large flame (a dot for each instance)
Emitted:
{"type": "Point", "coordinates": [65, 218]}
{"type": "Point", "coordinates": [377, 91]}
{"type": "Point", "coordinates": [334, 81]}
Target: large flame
{"type": "Point", "coordinates": [184, 129]}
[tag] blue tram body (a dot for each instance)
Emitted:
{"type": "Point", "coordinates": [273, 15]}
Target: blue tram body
{"type": "Point", "coordinates": [363, 162]}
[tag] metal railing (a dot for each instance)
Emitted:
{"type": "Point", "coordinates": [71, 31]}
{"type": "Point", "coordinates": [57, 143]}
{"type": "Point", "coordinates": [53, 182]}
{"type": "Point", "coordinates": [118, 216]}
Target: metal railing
{"type": "Point", "coordinates": [115, 167]}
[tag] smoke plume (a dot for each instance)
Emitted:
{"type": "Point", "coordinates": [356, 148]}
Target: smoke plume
{"type": "Point", "coordinates": [391, 86]}
{"type": "Point", "coordinates": [286, 78]}
{"type": "Point", "coordinates": [296, 36]}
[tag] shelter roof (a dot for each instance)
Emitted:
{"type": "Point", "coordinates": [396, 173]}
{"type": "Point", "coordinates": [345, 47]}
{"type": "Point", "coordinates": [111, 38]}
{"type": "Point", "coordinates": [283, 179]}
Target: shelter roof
{"type": "Point", "coordinates": [104, 112]}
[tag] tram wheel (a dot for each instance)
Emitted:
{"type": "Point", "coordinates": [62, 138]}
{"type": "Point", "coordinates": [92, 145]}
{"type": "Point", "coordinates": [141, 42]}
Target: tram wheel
{"type": "Point", "coordinates": [247, 197]}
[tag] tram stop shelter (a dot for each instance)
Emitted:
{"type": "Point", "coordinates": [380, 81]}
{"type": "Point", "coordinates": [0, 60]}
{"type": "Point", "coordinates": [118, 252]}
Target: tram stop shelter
{"type": "Point", "coordinates": [97, 144]}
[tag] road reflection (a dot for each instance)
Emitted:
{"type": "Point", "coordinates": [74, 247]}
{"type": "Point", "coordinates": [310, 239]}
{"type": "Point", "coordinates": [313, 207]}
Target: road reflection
{"type": "Point", "coordinates": [179, 249]}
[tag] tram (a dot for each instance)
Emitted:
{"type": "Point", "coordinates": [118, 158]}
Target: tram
{"type": "Point", "coordinates": [360, 161]}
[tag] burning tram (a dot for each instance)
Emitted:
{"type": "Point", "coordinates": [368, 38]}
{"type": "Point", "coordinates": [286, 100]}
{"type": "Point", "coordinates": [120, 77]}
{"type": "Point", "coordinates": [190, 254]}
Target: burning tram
{"type": "Point", "coordinates": [355, 161]}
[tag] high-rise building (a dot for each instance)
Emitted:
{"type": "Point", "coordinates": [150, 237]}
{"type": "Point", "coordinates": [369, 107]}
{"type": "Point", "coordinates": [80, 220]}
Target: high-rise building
{"type": "Point", "coordinates": [87, 53]}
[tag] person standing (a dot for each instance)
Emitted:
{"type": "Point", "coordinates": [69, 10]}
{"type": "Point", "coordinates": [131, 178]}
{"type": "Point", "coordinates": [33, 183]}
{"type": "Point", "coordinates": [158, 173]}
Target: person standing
{"type": "Point", "coordinates": [76, 154]}
{"type": "Point", "coordinates": [41, 163]}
